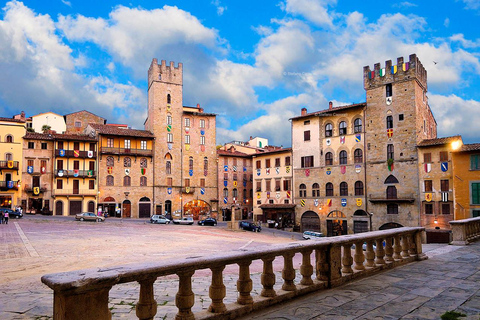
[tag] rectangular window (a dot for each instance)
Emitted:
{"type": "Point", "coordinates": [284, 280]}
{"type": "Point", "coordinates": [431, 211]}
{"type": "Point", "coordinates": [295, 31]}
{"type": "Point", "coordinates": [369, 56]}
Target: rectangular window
{"type": "Point", "coordinates": [44, 146]}
{"type": "Point", "coordinates": [43, 163]}
{"type": "Point", "coordinates": [277, 185]}
{"type": "Point", "coordinates": [267, 185]}
{"type": "Point", "coordinates": [428, 208]}
{"type": "Point", "coordinates": [91, 184]}
{"type": "Point", "coordinates": [445, 208]}
{"type": "Point", "coordinates": [187, 182]}
{"type": "Point", "coordinates": [443, 156]}
{"type": "Point", "coordinates": [306, 135]}
{"type": "Point", "coordinates": [427, 157]}
{"type": "Point", "coordinates": [306, 122]}
{"type": "Point", "coordinates": [475, 192]}
{"type": "Point", "coordinates": [143, 145]}
{"type": "Point", "coordinates": [30, 163]}
{"type": "Point", "coordinates": [31, 145]}
{"type": "Point", "coordinates": [388, 90]}
{"type": "Point", "coordinates": [109, 142]}
{"type": "Point", "coordinates": [287, 161]}
{"type": "Point", "coordinates": [259, 186]}
{"type": "Point", "coordinates": [400, 117]}
{"type": "Point", "coordinates": [76, 165]}
{"type": "Point", "coordinates": [444, 185]}
{"type": "Point", "coordinates": [187, 139]}
{"type": "Point", "coordinates": [187, 122]}
{"type": "Point", "coordinates": [202, 123]}
{"type": "Point", "coordinates": [59, 184]}
{"type": "Point", "coordinates": [92, 146]}
{"type": "Point", "coordinates": [225, 176]}
{"type": "Point", "coordinates": [277, 162]}
{"type": "Point", "coordinates": [202, 183]}
{"type": "Point", "coordinates": [127, 144]}
{"type": "Point", "coordinates": [169, 137]}
{"type": "Point", "coordinates": [169, 182]}
{"type": "Point", "coordinates": [59, 164]}
{"type": "Point", "coordinates": [428, 185]}
{"type": "Point", "coordinates": [234, 161]}
{"type": "Point", "coordinates": [286, 185]}
{"type": "Point", "coordinates": [475, 162]}
{"type": "Point", "coordinates": [60, 144]}
{"type": "Point", "coordinates": [78, 124]}
{"type": "Point", "coordinates": [267, 163]}
{"type": "Point", "coordinates": [202, 140]}
{"type": "Point", "coordinates": [259, 165]}
{"type": "Point", "coordinates": [307, 162]}
{"type": "Point", "coordinates": [235, 178]}
{"type": "Point", "coordinates": [76, 146]}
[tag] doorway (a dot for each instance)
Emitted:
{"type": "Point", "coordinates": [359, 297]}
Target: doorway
{"type": "Point", "coordinates": [127, 209]}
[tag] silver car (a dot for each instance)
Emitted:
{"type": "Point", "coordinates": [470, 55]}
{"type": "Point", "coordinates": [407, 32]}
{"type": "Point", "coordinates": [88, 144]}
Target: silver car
{"type": "Point", "coordinates": [156, 218]}
{"type": "Point", "coordinates": [184, 220]}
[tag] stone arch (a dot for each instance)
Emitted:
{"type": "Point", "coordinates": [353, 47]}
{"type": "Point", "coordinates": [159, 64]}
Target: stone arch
{"type": "Point", "coordinates": [168, 156]}
{"type": "Point", "coordinates": [59, 208]}
{"type": "Point", "coordinates": [360, 213]}
{"type": "Point", "coordinates": [391, 179]}
{"type": "Point", "coordinates": [310, 221]}
{"type": "Point", "coordinates": [144, 207]}
{"type": "Point", "coordinates": [197, 208]}
{"type": "Point", "coordinates": [390, 225]}
{"type": "Point", "coordinates": [336, 223]}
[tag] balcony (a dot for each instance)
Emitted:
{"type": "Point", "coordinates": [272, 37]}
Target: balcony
{"type": "Point", "coordinates": [5, 186]}
{"type": "Point", "coordinates": [9, 165]}
{"type": "Point", "coordinates": [74, 192]}
{"type": "Point", "coordinates": [29, 188]}
{"type": "Point", "coordinates": [71, 154]}
{"type": "Point", "coordinates": [76, 173]}
{"type": "Point", "coordinates": [123, 151]}
{"type": "Point", "coordinates": [382, 198]}
{"type": "Point", "coordinates": [188, 190]}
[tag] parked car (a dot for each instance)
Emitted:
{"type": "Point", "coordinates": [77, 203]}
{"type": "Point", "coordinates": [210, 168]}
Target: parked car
{"type": "Point", "coordinates": [208, 222]}
{"type": "Point", "coordinates": [89, 216]}
{"type": "Point", "coordinates": [307, 235]}
{"type": "Point", "coordinates": [184, 220]}
{"type": "Point", "coordinates": [156, 218]}
{"type": "Point", "coordinates": [245, 225]}
{"type": "Point", "coordinates": [11, 214]}
{"type": "Point", "coordinates": [364, 246]}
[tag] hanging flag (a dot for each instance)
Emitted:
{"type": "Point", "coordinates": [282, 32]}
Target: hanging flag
{"type": "Point", "coordinates": [75, 173]}
{"type": "Point", "coordinates": [244, 169]}
{"type": "Point", "coordinates": [277, 195]}
{"type": "Point", "coordinates": [61, 153]}
{"type": "Point", "coordinates": [428, 197]}
{"type": "Point", "coordinates": [444, 166]}
{"type": "Point", "coordinates": [244, 183]}
{"type": "Point", "coordinates": [235, 184]}
{"type": "Point", "coordinates": [10, 184]}
{"type": "Point", "coordinates": [90, 173]}
{"type": "Point", "coordinates": [394, 69]}
{"type": "Point", "coordinates": [329, 202]}
{"type": "Point", "coordinates": [307, 172]}
{"type": "Point", "coordinates": [371, 74]}
{"type": "Point", "coordinates": [329, 171]}
{"type": "Point", "coordinates": [187, 147]}
{"type": "Point", "coordinates": [30, 169]}
{"type": "Point", "coordinates": [187, 189]}
{"type": "Point", "coordinates": [358, 137]}
{"type": "Point", "coordinates": [202, 147]}
{"type": "Point", "coordinates": [358, 168]}
{"type": "Point", "coordinates": [205, 173]}
{"type": "Point", "coordinates": [225, 168]}
{"type": "Point", "coordinates": [382, 72]}
{"type": "Point", "coordinates": [109, 170]}
{"type": "Point", "coordinates": [170, 146]}
{"type": "Point", "coordinates": [202, 190]}
{"type": "Point", "coordinates": [187, 129]}
{"type": "Point", "coordinates": [267, 171]}
{"type": "Point", "coordinates": [428, 167]}
{"type": "Point", "coordinates": [190, 172]}
{"type": "Point", "coordinates": [388, 101]}
{"type": "Point", "coordinates": [259, 195]}
{"type": "Point", "coordinates": [225, 183]}
{"type": "Point", "coordinates": [202, 132]}
{"type": "Point", "coordinates": [302, 202]}
{"type": "Point", "coordinates": [444, 196]}
{"type": "Point", "coordinates": [234, 168]}
{"type": "Point", "coordinates": [342, 140]}
{"type": "Point", "coordinates": [343, 169]}
{"type": "Point", "coordinates": [90, 154]}
{"type": "Point", "coordinates": [169, 108]}
{"type": "Point", "coordinates": [60, 173]}
{"type": "Point", "coordinates": [328, 141]}
{"type": "Point", "coordinates": [406, 66]}
{"type": "Point", "coordinates": [315, 202]}
{"type": "Point", "coordinates": [169, 190]}
{"type": "Point", "coordinates": [43, 170]}
{"type": "Point", "coordinates": [76, 153]}
{"type": "Point", "coordinates": [36, 191]}
{"type": "Point", "coordinates": [258, 172]}
{"type": "Point", "coordinates": [10, 164]}
{"type": "Point", "coordinates": [268, 194]}
{"type": "Point", "coordinates": [225, 200]}
{"type": "Point", "coordinates": [359, 202]}
{"type": "Point", "coordinates": [289, 193]}
{"type": "Point", "coordinates": [287, 169]}
{"type": "Point", "coordinates": [389, 133]}
{"type": "Point", "coordinates": [169, 128]}
{"type": "Point", "coordinates": [277, 170]}
{"type": "Point", "coordinates": [391, 166]}
{"type": "Point", "coordinates": [344, 202]}
{"type": "Point", "coordinates": [142, 171]}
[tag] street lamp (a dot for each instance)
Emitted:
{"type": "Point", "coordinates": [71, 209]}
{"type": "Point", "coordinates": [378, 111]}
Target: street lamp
{"type": "Point", "coordinates": [370, 214]}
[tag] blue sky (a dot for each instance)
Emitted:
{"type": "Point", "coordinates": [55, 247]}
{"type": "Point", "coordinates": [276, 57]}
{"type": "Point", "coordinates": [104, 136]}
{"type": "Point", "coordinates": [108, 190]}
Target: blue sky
{"type": "Point", "coordinates": [254, 63]}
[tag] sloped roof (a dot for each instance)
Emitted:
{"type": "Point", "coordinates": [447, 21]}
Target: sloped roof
{"type": "Point", "coordinates": [470, 147]}
{"type": "Point", "coordinates": [38, 136]}
{"type": "Point", "coordinates": [351, 106]}
{"type": "Point", "coordinates": [12, 120]}
{"type": "Point", "coordinates": [84, 111]}
{"type": "Point", "coordinates": [235, 153]}
{"type": "Point", "coordinates": [115, 131]}
{"type": "Point", "coordinates": [438, 141]}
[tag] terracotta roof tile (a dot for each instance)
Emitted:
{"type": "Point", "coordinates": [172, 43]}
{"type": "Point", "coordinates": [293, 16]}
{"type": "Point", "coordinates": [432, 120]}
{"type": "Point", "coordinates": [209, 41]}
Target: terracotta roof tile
{"type": "Point", "coordinates": [351, 106]}
{"type": "Point", "coordinates": [115, 131]}
{"type": "Point", "coordinates": [38, 136]}
{"type": "Point", "coordinates": [438, 141]}
{"type": "Point", "coordinates": [470, 147]}
{"type": "Point", "coordinates": [12, 120]}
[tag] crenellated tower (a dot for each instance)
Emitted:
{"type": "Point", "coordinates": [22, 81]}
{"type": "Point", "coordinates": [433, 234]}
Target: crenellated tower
{"type": "Point", "coordinates": [397, 118]}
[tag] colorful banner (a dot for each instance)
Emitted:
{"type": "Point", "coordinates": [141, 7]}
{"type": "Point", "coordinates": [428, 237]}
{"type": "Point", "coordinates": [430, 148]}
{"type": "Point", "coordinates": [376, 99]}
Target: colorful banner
{"type": "Point", "coordinates": [36, 191]}
{"type": "Point", "coordinates": [428, 167]}
{"type": "Point", "coordinates": [389, 133]}
{"type": "Point", "coordinates": [10, 164]}
{"type": "Point", "coordinates": [358, 137]}
{"type": "Point", "coordinates": [344, 202]}
{"type": "Point", "coordinates": [76, 153]}
{"type": "Point", "coordinates": [428, 197]}
{"type": "Point", "coordinates": [444, 166]}
{"type": "Point", "coordinates": [90, 154]}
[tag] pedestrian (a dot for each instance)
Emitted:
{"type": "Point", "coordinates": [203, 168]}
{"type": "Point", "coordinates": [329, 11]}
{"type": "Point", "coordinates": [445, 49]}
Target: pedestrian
{"type": "Point", "coordinates": [1, 217]}
{"type": "Point", "coordinates": [5, 217]}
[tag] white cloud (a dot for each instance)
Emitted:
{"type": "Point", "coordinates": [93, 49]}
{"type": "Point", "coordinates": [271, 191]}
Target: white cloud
{"type": "Point", "coordinates": [472, 4]}
{"type": "Point", "coordinates": [446, 22]}
{"type": "Point", "coordinates": [404, 4]}
{"type": "Point", "coordinates": [67, 3]}
{"type": "Point", "coordinates": [220, 9]}
{"type": "Point", "coordinates": [460, 38]}
{"type": "Point", "coordinates": [313, 10]}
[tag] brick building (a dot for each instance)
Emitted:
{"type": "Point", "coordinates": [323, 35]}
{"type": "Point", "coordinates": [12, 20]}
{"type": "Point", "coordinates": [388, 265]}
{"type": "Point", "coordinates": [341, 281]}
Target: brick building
{"type": "Point", "coordinates": [77, 122]}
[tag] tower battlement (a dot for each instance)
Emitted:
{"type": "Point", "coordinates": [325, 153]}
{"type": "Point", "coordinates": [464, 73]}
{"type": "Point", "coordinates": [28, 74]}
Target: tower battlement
{"type": "Point", "coordinates": [162, 72]}
{"type": "Point", "coordinates": [412, 69]}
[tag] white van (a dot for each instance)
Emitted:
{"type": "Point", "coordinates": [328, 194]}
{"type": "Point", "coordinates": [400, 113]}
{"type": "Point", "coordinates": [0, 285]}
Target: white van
{"type": "Point", "coordinates": [307, 235]}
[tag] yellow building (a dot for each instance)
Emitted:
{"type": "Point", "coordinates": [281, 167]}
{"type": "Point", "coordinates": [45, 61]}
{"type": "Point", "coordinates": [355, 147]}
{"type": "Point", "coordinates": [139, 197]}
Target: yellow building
{"type": "Point", "coordinates": [11, 144]}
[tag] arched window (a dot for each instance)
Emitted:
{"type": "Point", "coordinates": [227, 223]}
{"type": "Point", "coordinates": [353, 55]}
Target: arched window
{"type": "Point", "coordinates": [329, 189]}
{"type": "Point", "coordinates": [190, 163]}
{"type": "Point", "coordinates": [110, 162]}
{"type": "Point", "coordinates": [343, 157]}
{"type": "Point", "coordinates": [168, 167]}
{"type": "Point", "coordinates": [110, 181]}
{"type": "Point", "coordinates": [328, 130]}
{"type": "Point", "coordinates": [9, 139]}
{"type": "Point", "coordinates": [143, 181]}
{"type": "Point", "coordinates": [244, 193]}
{"type": "Point", "coordinates": [328, 159]}
{"type": "Point", "coordinates": [359, 188]}
{"type": "Point", "coordinates": [357, 125]}
{"type": "Point", "coordinates": [169, 98]}
{"type": "Point", "coordinates": [235, 193]}
{"type": "Point", "coordinates": [358, 155]}
{"type": "Point", "coordinates": [303, 190]}
{"type": "Point", "coordinates": [389, 122]}
{"type": "Point", "coordinates": [127, 181]}
{"type": "Point", "coordinates": [342, 128]}
{"type": "Point", "coordinates": [391, 179]}
{"type": "Point", "coordinates": [225, 192]}
{"type": "Point", "coordinates": [205, 164]}
{"type": "Point", "coordinates": [390, 151]}
{"type": "Point", "coordinates": [391, 192]}
{"type": "Point", "coordinates": [127, 162]}
{"type": "Point", "coordinates": [344, 189]}
{"type": "Point", "coordinates": [169, 119]}
{"type": "Point", "coordinates": [8, 157]}
{"type": "Point", "coordinates": [315, 190]}
{"type": "Point", "coordinates": [143, 162]}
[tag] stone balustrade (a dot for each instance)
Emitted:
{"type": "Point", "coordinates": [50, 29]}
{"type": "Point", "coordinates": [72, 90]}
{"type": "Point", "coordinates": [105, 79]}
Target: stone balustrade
{"type": "Point", "coordinates": [325, 263]}
{"type": "Point", "coordinates": [465, 231]}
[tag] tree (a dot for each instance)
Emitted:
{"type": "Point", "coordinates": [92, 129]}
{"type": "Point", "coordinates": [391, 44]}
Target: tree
{"type": "Point", "coordinates": [46, 128]}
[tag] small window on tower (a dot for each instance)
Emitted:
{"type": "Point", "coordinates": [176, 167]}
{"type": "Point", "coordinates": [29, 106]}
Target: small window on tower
{"type": "Point", "coordinates": [400, 117]}
{"type": "Point", "coordinates": [78, 124]}
{"type": "Point", "coordinates": [388, 90]}
{"type": "Point", "coordinates": [169, 99]}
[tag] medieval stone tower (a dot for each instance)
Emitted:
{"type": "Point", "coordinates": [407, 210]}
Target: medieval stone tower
{"type": "Point", "coordinates": [397, 118]}
{"type": "Point", "coordinates": [165, 109]}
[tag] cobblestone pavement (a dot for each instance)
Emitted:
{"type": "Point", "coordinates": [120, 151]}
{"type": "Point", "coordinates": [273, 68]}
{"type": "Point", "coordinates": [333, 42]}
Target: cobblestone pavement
{"type": "Point", "coordinates": [30, 248]}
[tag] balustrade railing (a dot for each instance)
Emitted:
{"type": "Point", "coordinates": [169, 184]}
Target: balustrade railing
{"type": "Point", "coordinates": [465, 231]}
{"type": "Point", "coordinates": [84, 294]}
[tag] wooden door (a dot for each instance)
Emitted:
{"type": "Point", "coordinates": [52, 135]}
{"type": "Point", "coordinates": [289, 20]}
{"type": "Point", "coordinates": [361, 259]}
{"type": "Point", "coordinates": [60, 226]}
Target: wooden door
{"type": "Point", "coordinates": [127, 209]}
{"type": "Point", "coordinates": [76, 185]}
{"type": "Point", "coordinates": [59, 208]}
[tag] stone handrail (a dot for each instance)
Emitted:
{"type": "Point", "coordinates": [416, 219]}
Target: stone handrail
{"type": "Point", "coordinates": [465, 231]}
{"type": "Point", "coordinates": [84, 294]}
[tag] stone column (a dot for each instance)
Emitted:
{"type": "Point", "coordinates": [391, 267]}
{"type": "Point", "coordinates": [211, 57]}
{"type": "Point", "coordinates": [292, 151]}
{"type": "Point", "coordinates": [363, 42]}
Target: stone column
{"type": "Point", "coordinates": [397, 248]}
{"type": "Point", "coordinates": [306, 269]}
{"type": "Point", "coordinates": [359, 258]}
{"type": "Point", "coordinates": [370, 255]}
{"type": "Point", "coordinates": [347, 259]}
{"type": "Point", "coordinates": [185, 299]}
{"type": "Point", "coordinates": [418, 246]}
{"type": "Point", "coordinates": [217, 291]}
{"type": "Point", "coordinates": [388, 250]}
{"type": "Point", "coordinates": [268, 278]}
{"type": "Point", "coordinates": [405, 246]}
{"type": "Point", "coordinates": [334, 261]}
{"type": "Point", "coordinates": [380, 252]}
{"type": "Point", "coordinates": [146, 307]}
{"type": "Point", "coordinates": [288, 272]}
{"type": "Point", "coordinates": [244, 283]}
{"type": "Point", "coordinates": [321, 264]}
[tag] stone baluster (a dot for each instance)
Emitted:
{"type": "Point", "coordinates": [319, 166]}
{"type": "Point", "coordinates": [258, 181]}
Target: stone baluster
{"type": "Point", "coordinates": [405, 246]}
{"type": "Point", "coordinates": [417, 238]}
{"type": "Point", "coordinates": [268, 278]}
{"type": "Point", "coordinates": [388, 250]}
{"type": "Point", "coordinates": [321, 265]}
{"type": "Point", "coordinates": [380, 252]}
{"type": "Point", "coordinates": [146, 307]}
{"type": "Point", "coordinates": [412, 251]}
{"type": "Point", "coordinates": [347, 259]}
{"type": "Point", "coordinates": [358, 257]}
{"type": "Point", "coordinates": [397, 248]}
{"type": "Point", "coordinates": [244, 283]}
{"type": "Point", "coordinates": [185, 299]}
{"type": "Point", "coordinates": [288, 272]}
{"type": "Point", "coordinates": [306, 269]}
{"type": "Point", "coordinates": [370, 255]}
{"type": "Point", "coordinates": [217, 291]}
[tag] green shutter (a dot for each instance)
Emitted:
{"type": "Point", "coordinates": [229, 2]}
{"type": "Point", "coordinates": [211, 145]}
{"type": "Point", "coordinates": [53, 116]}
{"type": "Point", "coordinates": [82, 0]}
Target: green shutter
{"type": "Point", "coordinates": [474, 163]}
{"type": "Point", "coordinates": [475, 193]}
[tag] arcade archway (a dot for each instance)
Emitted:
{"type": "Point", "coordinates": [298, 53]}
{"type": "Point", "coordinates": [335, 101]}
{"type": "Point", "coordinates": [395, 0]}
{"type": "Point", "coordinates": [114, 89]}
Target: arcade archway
{"type": "Point", "coordinates": [336, 224]}
{"type": "Point", "coordinates": [197, 208]}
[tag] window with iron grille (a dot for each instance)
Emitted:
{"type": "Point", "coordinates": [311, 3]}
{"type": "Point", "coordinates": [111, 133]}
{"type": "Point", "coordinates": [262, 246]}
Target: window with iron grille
{"type": "Point", "coordinates": [343, 189]}
{"type": "Point", "coordinates": [328, 158]}
{"type": "Point", "coordinates": [359, 188]}
{"type": "Point", "coordinates": [342, 128]}
{"type": "Point", "coordinates": [329, 189]}
{"type": "Point", "coordinates": [357, 125]}
{"type": "Point", "coordinates": [343, 157]}
{"type": "Point", "coordinates": [302, 190]}
{"type": "Point", "coordinates": [358, 155]}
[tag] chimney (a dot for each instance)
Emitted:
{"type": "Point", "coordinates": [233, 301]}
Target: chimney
{"type": "Point", "coordinates": [22, 115]}
{"type": "Point", "coordinates": [304, 111]}
{"type": "Point", "coordinates": [330, 105]}
{"type": "Point", "coordinates": [198, 107]}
